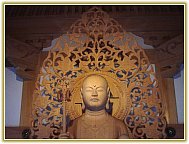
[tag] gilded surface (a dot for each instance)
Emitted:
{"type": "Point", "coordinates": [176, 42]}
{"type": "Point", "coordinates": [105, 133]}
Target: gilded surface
{"type": "Point", "coordinates": [97, 44]}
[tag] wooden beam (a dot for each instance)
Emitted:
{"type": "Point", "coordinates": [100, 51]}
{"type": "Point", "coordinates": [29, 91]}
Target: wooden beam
{"type": "Point", "coordinates": [23, 57]}
{"type": "Point", "coordinates": [170, 56]}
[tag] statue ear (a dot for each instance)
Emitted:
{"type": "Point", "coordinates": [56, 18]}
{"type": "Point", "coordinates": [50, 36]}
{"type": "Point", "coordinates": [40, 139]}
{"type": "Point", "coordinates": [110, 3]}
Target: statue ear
{"type": "Point", "coordinates": [82, 103]}
{"type": "Point", "coordinates": [108, 92]}
{"type": "Point", "coordinates": [81, 94]}
{"type": "Point", "coordinates": [107, 103]}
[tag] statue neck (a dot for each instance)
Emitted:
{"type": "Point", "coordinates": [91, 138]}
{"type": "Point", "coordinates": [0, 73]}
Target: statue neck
{"type": "Point", "coordinates": [95, 113]}
{"type": "Point", "coordinates": [95, 118]}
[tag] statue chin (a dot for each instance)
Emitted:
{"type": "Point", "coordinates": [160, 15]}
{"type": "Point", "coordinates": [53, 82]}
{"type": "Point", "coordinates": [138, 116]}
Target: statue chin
{"type": "Point", "coordinates": [95, 108]}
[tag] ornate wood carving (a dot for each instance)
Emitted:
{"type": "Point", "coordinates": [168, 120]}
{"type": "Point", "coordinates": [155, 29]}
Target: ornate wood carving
{"type": "Point", "coordinates": [97, 44]}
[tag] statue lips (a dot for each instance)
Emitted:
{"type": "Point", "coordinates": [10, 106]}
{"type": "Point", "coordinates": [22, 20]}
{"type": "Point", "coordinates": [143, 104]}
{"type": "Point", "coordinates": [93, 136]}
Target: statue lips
{"type": "Point", "coordinates": [94, 99]}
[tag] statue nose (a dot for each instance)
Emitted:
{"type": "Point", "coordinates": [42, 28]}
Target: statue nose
{"type": "Point", "coordinates": [94, 93]}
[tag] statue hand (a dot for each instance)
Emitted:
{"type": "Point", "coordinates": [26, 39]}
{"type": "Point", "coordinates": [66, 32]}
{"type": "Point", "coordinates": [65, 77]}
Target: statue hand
{"type": "Point", "coordinates": [64, 135]}
{"type": "Point", "coordinates": [124, 136]}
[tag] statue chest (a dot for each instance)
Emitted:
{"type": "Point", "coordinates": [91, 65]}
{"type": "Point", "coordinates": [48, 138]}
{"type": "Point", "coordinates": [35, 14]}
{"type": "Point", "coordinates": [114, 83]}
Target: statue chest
{"type": "Point", "coordinates": [96, 130]}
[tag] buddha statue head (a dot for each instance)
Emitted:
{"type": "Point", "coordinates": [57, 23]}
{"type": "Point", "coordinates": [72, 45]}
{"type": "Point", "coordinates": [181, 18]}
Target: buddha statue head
{"type": "Point", "coordinates": [95, 93]}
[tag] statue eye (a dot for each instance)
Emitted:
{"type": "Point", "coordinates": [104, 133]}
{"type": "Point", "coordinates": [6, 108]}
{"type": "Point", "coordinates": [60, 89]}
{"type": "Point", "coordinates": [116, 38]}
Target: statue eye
{"type": "Point", "coordinates": [88, 90]}
{"type": "Point", "coordinates": [100, 90]}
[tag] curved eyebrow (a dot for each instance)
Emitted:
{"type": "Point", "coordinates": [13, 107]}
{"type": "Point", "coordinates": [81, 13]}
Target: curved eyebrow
{"type": "Point", "coordinates": [89, 87]}
{"type": "Point", "coordinates": [99, 87]}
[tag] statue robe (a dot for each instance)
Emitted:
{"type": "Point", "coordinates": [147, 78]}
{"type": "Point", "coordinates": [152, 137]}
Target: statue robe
{"type": "Point", "coordinates": [106, 128]}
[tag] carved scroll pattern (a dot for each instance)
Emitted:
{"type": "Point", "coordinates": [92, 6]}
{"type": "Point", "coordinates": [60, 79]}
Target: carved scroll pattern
{"type": "Point", "coordinates": [97, 43]}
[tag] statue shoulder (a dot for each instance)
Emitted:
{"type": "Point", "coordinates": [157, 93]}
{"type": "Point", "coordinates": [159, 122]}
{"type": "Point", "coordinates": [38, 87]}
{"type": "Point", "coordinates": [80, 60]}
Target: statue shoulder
{"type": "Point", "coordinates": [72, 129]}
{"type": "Point", "coordinates": [121, 128]}
{"type": "Point", "coordinates": [75, 121]}
{"type": "Point", "coordinates": [119, 123]}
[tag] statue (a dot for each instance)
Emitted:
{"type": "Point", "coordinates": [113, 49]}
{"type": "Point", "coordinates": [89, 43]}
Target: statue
{"type": "Point", "coordinates": [96, 123]}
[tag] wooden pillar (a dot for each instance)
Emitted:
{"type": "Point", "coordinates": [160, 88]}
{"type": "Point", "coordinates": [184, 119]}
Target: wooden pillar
{"type": "Point", "coordinates": [27, 101]}
{"type": "Point", "coordinates": [169, 95]}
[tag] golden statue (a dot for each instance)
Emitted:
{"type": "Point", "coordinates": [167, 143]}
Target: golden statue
{"type": "Point", "coordinates": [95, 64]}
{"type": "Point", "coordinates": [96, 123]}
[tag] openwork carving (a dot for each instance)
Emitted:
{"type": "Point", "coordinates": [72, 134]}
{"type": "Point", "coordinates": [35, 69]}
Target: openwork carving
{"type": "Point", "coordinates": [98, 44]}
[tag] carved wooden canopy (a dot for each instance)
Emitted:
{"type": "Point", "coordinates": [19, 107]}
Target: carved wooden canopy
{"type": "Point", "coordinates": [97, 44]}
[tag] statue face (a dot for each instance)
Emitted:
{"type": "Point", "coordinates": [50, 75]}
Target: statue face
{"type": "Point", "coordinates": [95, 92]}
